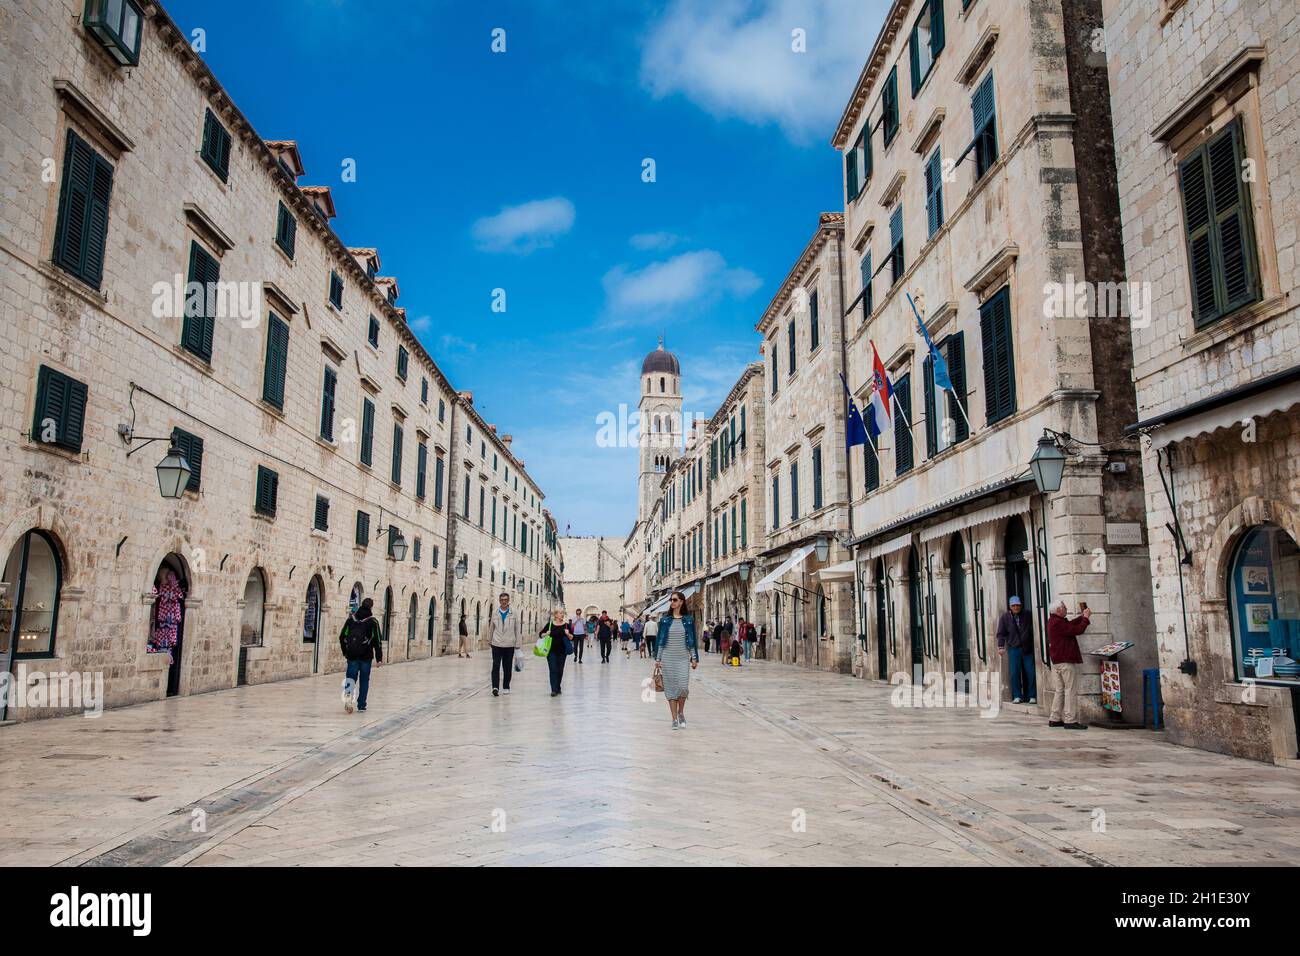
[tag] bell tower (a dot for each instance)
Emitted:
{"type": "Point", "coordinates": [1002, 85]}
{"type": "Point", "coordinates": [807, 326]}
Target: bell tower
{"type": "Point", "coordinates": [660, 411]}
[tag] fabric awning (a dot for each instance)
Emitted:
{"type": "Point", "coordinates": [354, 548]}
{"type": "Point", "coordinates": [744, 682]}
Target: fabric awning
{"type": "Point", "coordinates": [844, 571]}
{"type": "Point", "coordinates": [1228, 415]}
{"type": "Point", "coordinates": [658, 605]}
{"type": "Point", "coordinates": [784, 567]}
{"type": "Point", "coordinates": [734, 569]}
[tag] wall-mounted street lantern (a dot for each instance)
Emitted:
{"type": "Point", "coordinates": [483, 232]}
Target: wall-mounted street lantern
{"type": "Point", "coordinates": [462, 566]}
{"type": "Point", "coordinates": [744, 569]}
{"type": "Point", "coordinates": [396, 543]}
{"type": "Point", "coordinates": [1047, 464]}
{"type": "Point", "coordinates": [823, 548]}
{"type": "Point", "coordinates": [173, 471]}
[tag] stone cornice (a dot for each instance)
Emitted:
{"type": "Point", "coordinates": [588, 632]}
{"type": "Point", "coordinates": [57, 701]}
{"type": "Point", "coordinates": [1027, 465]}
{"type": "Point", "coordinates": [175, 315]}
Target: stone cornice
{"type": "Point", "coordinates": [754, 368]}
{"type": "Point", "coordinates": [871, 70]}
{"type": "Point", "coordinates": [828, 225]}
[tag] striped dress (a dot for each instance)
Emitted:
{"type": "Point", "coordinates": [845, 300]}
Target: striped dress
{"type": "Point", "coordinates": [675, 660]}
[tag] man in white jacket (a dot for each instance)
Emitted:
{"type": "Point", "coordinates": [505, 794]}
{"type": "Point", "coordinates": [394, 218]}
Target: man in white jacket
{"type": "Point", "coordinates": [504, 635]}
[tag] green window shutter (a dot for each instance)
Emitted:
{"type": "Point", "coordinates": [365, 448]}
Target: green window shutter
{"type": "Point", "coordinates": [421, 470]}
{"type": "Point", "coordinates": [437, 481]}
{"type": "Point", "coordinates": [277, 360]}
{"type": "Point", "coordinates": [403, 357]}
{"type": "Point", "coordinates": [363, 528]}
{"type": "Point", "coordinates": [871, 465]}
{"type": "Point", "coordinates": [937, 38]}
{"type": "Point", "coordinates": [793, 359]}
{"type": "Point", "coordinates": [397, 454]}
{"type": "Point", "coordinates": [817, 477]}
{"type": "Point", "coordinates": [744, 432]}
{"type": "Point", "coordinates": [191, 447]}
{"type": "Point", "coordinates": [322, 518]}
{"type": "Point", "coordinates": [286, 230]}
{"type": "Point", "coordinates": [999, 364]}
{"type": "Point", "coordinates": [955, 351]}
{"type": "Point", "coordinates": [914, 58]}
{"type": "Point", "coordinates": [216, 145]}
{"type": "Point", "coordinates": [268, 490]}
{"type": "Point", "coordinates": [903, 455]}
{"type": "Point", "coordinates": [776, 501]}
{"type": "Point", "coordinates": [794, 491]}
{"type": "Point", "coordinates": [327, 404]}
{"type": "Point", "coordinates": [931, 431]}
{"type": "Point", "coordinates": [889, 102]}
{"type": "Point", "coordinates": [81, 233]}
{"type": "Point", "coordinates": [336, 290]}
{"type": "Point", "coordinates": [896, 244]}
{"type": "Point", "coordinates": [934, 192]}
{"type": "Point", "coordinates": [1195, 186]}
{"type": "Point", "coordinates": [744, 522]}
{"type": "Point", "coordinates": [983, 115]}
{"type": "Point", "coordinates": [867, 304]}
{"type": "Point", "coordinates": [60, 409]}
{"type": "Point", "coordinates": [367, 431]}
{"type": "Point", "coordinates": [198, 323]}
{"type": "Point", "coordinates": [851, 173]}
{"type": "Point", "coordinates": [814, 331]}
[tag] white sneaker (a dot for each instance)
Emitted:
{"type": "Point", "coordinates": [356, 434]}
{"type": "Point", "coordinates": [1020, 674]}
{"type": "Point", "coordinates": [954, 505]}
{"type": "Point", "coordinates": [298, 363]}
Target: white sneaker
{"type": "Point", "coordinates": [347, 703]}
{"type": "Point", "coordinates": [681, 722]}
{"type": "Point", "coordinates": [506, 691]}
{"type": "Point", "coordinates": [1033, 700]}
{"type": "Point", "coordinates": [674, 723]}
{"type": "Point", "coordinates": [1015, 700]}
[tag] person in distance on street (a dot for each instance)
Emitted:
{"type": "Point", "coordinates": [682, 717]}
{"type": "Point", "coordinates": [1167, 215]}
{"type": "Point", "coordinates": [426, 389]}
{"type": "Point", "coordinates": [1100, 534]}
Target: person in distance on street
{"type": "Point", "coordinates": [649, 635]}
{"type": "Point", "coordinates": [561, 647]}
{"type": "Point", "coordinates": [579, 628]}
{"type": "Point", "coordinates": [462, 648]}
{"type": "Point", "coordinates": [604, 636]}
{"type": "Point", "coordinates": [504, 636]}
{"type": "Point", "coordinates": [1063, 648]}
{"type": "Point", "coordinates": [361, 641]}
{"type": "Point", "coordinates": [1016, 640]}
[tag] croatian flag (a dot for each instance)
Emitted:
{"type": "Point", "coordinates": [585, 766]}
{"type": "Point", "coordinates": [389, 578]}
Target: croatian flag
{"type": "Point", "coordinates": [881, 394]}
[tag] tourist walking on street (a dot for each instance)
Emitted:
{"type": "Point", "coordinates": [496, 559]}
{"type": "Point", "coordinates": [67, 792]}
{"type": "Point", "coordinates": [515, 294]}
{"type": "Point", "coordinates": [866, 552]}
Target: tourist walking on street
{"type": "Point", "coordinates": [751, 638]}
{"type": "Point", "coordinates": [649, 634]}
{"type": "Point", "coordinates": [1063, 648]}
{"type": "Point", "coordinates": [605, 636]}
{"type": "Point", "coordinates": [361, 642]}
{"type": "Point", "coordinates": [625, 635]}
{"type": "Point", "coordinates": [1016, 640]}
{"type": "Point", "coordinates": [579, 630]}
{"type": "Point", "coordinates": [561, 647]}
{"type": "Point", "coordinates": [462, 649]}
{"type": "Point", "coordinates": [676, 655]}
{"type": "Point", "coordinates": [504, 636]}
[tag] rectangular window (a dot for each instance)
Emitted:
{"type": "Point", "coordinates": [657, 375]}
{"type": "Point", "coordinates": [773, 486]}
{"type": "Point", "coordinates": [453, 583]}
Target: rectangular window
{"type": "Point", "coordinates": [735, 531]}
{"type": "Point", "coordinates": [1220, 234]}
{"type": "Point", "coordinates": [465, 503]}
{"type": "Point", "coordinates": [775, 376]}
{"type": "Point", "coordinates": [336, 290]}
{"type": "Point", "coordinates": [268, 491]}
{"type": "Point", "coordinates": [82, 232]}
{"type": "Point", "coordinates": [397, 453]}
{"type": "Point", "coordinates": [943, 432]}
{"type": "Point", "coordinates": [372, 333]}
{"type": "Point", "coordinates": [743, 439]}
{"type": "Point", "coordinates": [433, 552]}
{"type": "Point", "coordinates": [857, 165]}
{"type": "Point", "coordinates": [322, 517]}
{"type": "Point", "coordinates": [424, 391]}
{"type": "Point", "coordinates": [277, 360]}
{"type": "Point", "coordinates": [896, 244]}
{"type": "Point", "coordinates": [416, 557]}
{"type": "Point", "coordinates": [776, 501]}
{"type": "Point", "coordinates": [327, 403]}
{"type": "Point", "coordinates": [903, 455]}
{"type": "Point", "coordinates": [191, 449]}
{"type": "Point", "coordinates": [215, 150]}
{"type": "Point", "coordinates": [867, 304]}
{"type": "Point", "coordinates": [286, 230]}
{"type": "Point", "coordinates": [199, 320]}
{"type": "Point", "coordinates": [813, 331]}
{"type": "Point", "coordinates": [744, 522]}
{"type": "Point", "coordinates": [363, 529]}
{"type": "Point", "coordinates": [421, 470]}
{"type": "Point", "coordinates": [723, 551]}
{"type": "Point", "coordinates": [482, 506]}
{"type": "Point", "coordinates": [438, 467]}
{"type": "Point", "coordinates": [367, 432]}
{"type": "Point", "coordinates": [999, 357]}
{"type": "Point", "coordinates": [442, 410]}
{"type": "Point", "coordinates": [984, 120]}
{"type": "Point", "coordinates": [927, 42]}
{"type": "Point", "coordinates": [116, 25]}
{"type": "Point", "coordinates": [494, 516]}
{"type": "Point", "coordinates": [60, 410]}
{"type": "Point", "coordinates": [794, 491]}
{"type": "Point", "coordinates": [817, 477]}
{"type": "Point", "coordinates": [793, 354]}
{"type": "Point", "coordinates": [934, 193]}
{"type": "Point", "coordinates": [871, 464]}
{"type": "Point", "coordinates": [889, 107]}
{"type": "Point", "coordinates": [403, 358]}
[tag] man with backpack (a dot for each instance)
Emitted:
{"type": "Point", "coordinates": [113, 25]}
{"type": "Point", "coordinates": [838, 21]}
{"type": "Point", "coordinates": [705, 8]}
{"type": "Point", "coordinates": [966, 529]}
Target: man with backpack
{"type": "Point", "coordinates": [360, 641]}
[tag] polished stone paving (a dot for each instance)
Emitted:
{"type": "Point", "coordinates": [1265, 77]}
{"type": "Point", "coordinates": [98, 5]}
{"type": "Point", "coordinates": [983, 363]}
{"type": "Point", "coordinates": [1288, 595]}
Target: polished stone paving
{"type": "Point", "coordinates": [778, 765]}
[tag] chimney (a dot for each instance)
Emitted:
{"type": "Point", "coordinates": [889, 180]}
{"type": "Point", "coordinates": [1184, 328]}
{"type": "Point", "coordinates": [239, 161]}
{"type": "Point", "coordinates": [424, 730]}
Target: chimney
{"type": "Point", "coordinates": [466, 397]}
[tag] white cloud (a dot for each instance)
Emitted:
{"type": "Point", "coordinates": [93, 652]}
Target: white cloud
{"type": "Point", "coordinates": [421, 324]}
{"type": "Point", "coordinates": [524, 228]}
{"type": "Point", "coordinates": [657, 241]}
{"type": "Point", "coordinates": [454, 343]}
{"type": "Point", "coordinates": [734, 58]}
{"type": "Point", "coordinates": [683, 279]}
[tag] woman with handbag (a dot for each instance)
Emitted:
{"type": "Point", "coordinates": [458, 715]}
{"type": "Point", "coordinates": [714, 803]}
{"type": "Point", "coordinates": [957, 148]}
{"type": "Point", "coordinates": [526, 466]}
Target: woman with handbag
{"type": "Point", "coordinates": [676, 655]}
{"type": "Point", "coordinates": [561, 646]}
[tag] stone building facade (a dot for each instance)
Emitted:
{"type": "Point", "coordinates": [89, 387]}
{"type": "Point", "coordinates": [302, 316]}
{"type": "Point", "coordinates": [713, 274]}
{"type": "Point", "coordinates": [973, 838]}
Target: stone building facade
{"type": "Point", "coordinates": [593, 575]}
{"type": "Point", "coordinates": [979, 177]}
{"type": "Point", "coordinates": [809, 608]}
{"type": "Point", "coordinates": [323, 440]}
{"type": "Point", "coordinates": [1209, 189]}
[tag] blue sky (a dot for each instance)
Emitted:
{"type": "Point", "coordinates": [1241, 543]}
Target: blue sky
{"type": "Point", "coordinates": [522, 171]}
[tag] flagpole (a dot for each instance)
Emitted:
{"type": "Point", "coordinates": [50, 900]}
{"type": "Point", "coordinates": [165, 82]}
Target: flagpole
{"type": "Point", "coordinates": [969, 428]}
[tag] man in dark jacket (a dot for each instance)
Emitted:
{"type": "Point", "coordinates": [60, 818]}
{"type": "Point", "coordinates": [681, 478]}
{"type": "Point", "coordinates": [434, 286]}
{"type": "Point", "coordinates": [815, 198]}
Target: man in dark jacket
{"type": "Point", "coordinates": [1016, 640]}
{"type": "Point", "coordinates": [1063, 647]}
{"type": "Point", "coordinates": [360, 641]}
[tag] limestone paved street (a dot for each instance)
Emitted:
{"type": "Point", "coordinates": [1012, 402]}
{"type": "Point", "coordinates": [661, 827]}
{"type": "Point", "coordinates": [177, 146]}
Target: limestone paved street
{"type": "Point", "coordinates": [439, 772]}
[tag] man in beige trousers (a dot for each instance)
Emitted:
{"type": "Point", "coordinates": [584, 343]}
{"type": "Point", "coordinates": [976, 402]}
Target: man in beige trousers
{"type": "Point", "coordinates": [504, 635]}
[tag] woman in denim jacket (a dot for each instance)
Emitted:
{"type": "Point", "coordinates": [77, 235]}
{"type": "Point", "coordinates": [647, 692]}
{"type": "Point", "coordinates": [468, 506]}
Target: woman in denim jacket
{"type": "Point", "coordinates": [676, 655]}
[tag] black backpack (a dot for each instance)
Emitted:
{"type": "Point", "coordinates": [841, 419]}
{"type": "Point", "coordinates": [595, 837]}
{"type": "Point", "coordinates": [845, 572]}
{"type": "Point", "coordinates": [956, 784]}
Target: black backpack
{"type": "Point", "coordinates": [356, 639]}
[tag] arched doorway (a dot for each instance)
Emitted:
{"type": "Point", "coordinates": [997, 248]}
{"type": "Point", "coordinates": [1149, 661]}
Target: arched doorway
{"type": "Point", "coordinates": [915, 617]}
{"type": "Point", "coordinates": [433, 625]}
{"type": "Point", "coordinates": [311, 620]}
{"type": "Point", "coordinates": [1264, 589]}
{"type": "Point", "coordinates": [882, 623]}
{"type": "Point", "coordinates": [478, 619]}
{"type": "Point", "coordinates": [414, 612]}
{"type": "Point", "coordinates": [29, 608]}
{"type": "Point", "coordinates": [776, 626]}
{"type": "Point", "coordinates": [957, 601]}
{"type": "Point", "coordinates": [1020, 579]}
{"type": "Point", "coordinates": [171, 586]}
{"type": "Point", "coordinates": [252, 621]}
{"type": "Point", "coordinates": [821, 626]}
{"type": "Point", "coordinates": [388, 621]}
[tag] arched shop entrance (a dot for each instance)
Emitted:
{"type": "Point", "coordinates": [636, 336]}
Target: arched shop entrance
{"type": "Point", "coordinates": [882, 623]}
{"type": "Point", "coordinates": [171, 586]}
{"type": "Point", "coordinates": [388, 621]}
{"type": "Point", "coordinates": [414, 613]}
{"type": "Point", "coordinates": [1020, 579]}
{"type": "Point", "coordinates": [29, 604]}
{"type": "Point", "coordinates": [1264, 587]}
{"type": "Point", "coordinates": [311, 620]}
{"type": "Point", "coordinates": [252, 622]}
{"type": "Point", "coordinates": [957, 601]}
{"type": "Point", "coordinates": [915, 619]}
{"type": "Point", "coordinates": [433, 622]}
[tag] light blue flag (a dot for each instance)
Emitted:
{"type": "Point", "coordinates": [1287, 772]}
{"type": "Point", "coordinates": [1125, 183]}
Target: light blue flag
{"type": "Point", "coordinates": [937, 361]}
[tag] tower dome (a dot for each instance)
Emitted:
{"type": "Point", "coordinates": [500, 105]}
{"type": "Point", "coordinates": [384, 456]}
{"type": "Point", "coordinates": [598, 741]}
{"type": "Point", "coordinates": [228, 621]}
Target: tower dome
{"type": "Point", "coordinates": [661, 361]}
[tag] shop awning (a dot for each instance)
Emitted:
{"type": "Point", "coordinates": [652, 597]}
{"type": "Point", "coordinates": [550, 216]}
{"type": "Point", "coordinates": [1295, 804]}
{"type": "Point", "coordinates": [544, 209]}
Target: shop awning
{"type": "Point", "coordinates": [1265, 396]}
{"type": "Point", "coordinates": [658, 605]}
{"type": "Point", "coordinates": [844, 571]}
{"type": "Point", "coordinates": [734, 569]}
{"type": "Point", "coordinates": [785, 567]}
